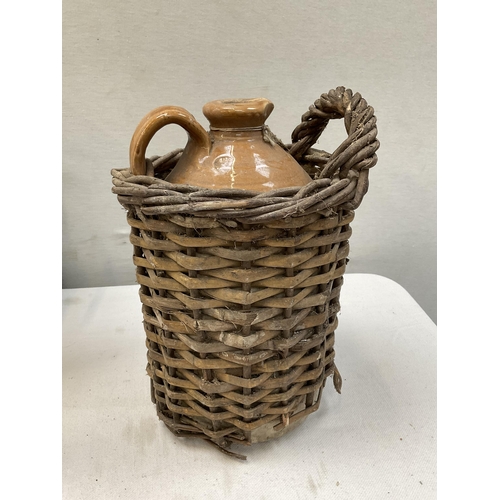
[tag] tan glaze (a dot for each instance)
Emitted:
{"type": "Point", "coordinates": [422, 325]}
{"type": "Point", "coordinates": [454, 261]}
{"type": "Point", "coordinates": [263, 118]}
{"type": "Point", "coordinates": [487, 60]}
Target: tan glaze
{"type": "Point", "coordinates": [235, 153]}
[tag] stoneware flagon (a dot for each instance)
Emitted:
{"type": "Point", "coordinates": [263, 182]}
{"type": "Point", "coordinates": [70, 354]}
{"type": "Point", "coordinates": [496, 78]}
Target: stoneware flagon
{"type": "Point", "coordinates": [235, 153]}
{"type": "Point", "coordinates": [240, 244]}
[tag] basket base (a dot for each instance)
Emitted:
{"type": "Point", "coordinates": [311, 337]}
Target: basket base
{"type": "Point", "coordinates": [223, 440]}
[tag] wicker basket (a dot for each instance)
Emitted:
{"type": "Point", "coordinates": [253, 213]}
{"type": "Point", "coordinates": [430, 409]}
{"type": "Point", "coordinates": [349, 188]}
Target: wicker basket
{"type": "Point", "coordinates": [240, 290]}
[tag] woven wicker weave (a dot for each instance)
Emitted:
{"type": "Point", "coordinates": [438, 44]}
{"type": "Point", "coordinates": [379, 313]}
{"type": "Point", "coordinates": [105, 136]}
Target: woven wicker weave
{"type": "Point", "coordinates": [240, 290]}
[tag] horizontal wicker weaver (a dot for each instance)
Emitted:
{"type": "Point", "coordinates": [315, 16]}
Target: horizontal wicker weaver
{"type": "Point", "coordinates": [240, 290]}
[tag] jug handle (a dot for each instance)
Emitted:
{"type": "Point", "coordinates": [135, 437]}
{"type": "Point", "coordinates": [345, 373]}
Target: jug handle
{"type": "Point", "coordinates": [154, 121]}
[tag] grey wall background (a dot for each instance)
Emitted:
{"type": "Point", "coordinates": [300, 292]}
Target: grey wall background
{"type": "Point", "coordinates": [122, 58]}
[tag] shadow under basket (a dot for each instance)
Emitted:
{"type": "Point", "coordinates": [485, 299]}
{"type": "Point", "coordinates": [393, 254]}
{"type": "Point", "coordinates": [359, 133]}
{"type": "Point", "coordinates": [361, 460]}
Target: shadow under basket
{"type": "Point", "coordinates": [240, 290]}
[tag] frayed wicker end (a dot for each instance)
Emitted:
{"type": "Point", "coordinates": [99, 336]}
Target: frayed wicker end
{"type": "Point", "coordinates": [240, 290]}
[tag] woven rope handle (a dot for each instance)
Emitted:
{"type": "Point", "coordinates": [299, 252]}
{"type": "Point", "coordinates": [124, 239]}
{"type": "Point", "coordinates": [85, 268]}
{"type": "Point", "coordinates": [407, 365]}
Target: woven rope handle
{"type": "Point", "coordinates": [356, 154]}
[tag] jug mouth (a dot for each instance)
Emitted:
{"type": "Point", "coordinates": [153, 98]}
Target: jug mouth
{"type": "Point", "coordinates": [238, 113]}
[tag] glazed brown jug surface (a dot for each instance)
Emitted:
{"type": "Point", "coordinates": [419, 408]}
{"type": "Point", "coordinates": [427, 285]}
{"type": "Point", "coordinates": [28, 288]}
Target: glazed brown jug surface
{"type": "Point", "coordinates": [236, 153]}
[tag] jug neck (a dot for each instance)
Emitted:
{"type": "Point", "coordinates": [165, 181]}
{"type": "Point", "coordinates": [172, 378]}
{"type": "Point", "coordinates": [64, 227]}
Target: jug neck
{"type": "Point", "coordinates": [238, 113]}
{"type": "Point", "coordinates": [236, 133]}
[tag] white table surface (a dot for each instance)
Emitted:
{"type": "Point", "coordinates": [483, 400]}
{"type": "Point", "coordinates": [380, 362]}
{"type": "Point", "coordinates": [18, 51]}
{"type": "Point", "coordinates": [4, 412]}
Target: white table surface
{"type": "Point", "coordinates": [375, 440]}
